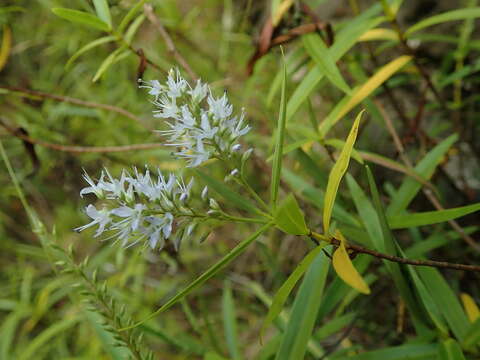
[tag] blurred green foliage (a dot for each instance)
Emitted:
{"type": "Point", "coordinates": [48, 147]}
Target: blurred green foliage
{"type": "Point", "coordinates": [423, 82]}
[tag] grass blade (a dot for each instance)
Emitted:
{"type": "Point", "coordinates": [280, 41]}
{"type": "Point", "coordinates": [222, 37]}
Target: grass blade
{"type": "Point", "coordinates": [282, 294]}
{"type": "Point", "coordinates": [277, 160]}
{"type": "Point", "coordinates": [304, 312]}
{"type": "Point", "coordinates": [230, 322]}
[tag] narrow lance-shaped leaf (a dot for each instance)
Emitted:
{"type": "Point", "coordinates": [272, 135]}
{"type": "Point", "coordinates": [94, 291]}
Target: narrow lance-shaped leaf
{"type": "Point", "coordinates": [447, 16]}
{"type": "Point", "coordinates": [230, 321]}
{"type": "Point", "coordinates": [430, 217]}
{"type": "Point", "coordinates": [282, 294]}
{"type": "Point", "coordinates": [344, 268]}
{"type": "Point", "coordinates": [6, 46]}
{"type": "Point", "coordinates": [130, 15]}
{"type": "Point", "coordinates": [304, 311]}
{"type": "Point", "coordinates": [337, 173]}
{"type": "Point", "coordinates": [322, 58]}
{"type": "Point", "coordinates": [109, 60]}
{"type": "Point", "coordinates": [82, 18]}
{"type": "Point", "coordinates": [87, 47]}
{"type": "Point", "coordinates": [103, 11]}
{"type": "Point", "coordinates": [361, 92]}
{"type": "Point", "coordinates": [471, 308]}
{"type": "Point", "coordinates": [277, 160]}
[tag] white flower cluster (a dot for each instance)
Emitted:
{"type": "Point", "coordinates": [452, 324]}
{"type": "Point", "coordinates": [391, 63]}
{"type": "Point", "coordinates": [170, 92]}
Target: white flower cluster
{"type": "Point", "coordinates": [140, 207]}
{"type": "Point", "coordinates": [202, 126]}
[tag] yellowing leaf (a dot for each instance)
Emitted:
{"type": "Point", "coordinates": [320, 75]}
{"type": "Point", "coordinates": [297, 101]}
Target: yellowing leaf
{"type": "Point", "coordinates": [281, 9]}
{"type": "Point", "coordinates": [379, 34]}
{"type": "Point", "coordinates": [361, 92]}
{"type": "Point", "coordinates": [471, 308]}
{"type": "Point", "coordinates": [345, 269]}
{"type": "Point", "coordinates": [337, 173]}
{"type": "Point", "coordinates": [6, 46]}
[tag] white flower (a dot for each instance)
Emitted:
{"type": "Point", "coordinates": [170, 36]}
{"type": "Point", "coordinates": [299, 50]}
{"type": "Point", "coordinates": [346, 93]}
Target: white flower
{"type": "Point", "coordinates": [97, 189]}
{"type": "Point", "coordinates": [155, 87]}
{"type": "Point", "coordinates": [100, 218]}
{"type": "Point", "coordinates": [176, 84]}
{"type": "Point", "coordinates": [219, 108]}
{"type": "Point", "coordinates": [200, 128]}
{"type": "Point", "coordinates": [139, 207]}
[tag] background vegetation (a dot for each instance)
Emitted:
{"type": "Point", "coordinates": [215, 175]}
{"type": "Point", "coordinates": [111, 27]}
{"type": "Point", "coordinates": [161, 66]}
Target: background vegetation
{"type": "Point", "coordinates": [69, 100]}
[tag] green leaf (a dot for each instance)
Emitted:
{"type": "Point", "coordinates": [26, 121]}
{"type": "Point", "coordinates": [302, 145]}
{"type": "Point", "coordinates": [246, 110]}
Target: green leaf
{"type": "Point", "coordinates": [361, 92]}
{"type": "Point", "coordinates": [430, 217]}
{"type": "Point", "coordinates": [130, 15]}
{"type": "Point", "coordinates": [345, 39]}
{"type": "Point", "coordinates": [45, 336]}
{"type": "Point", "coordinates": [447, 302]}
{"type": "Point", "coordinates": [337, 173]}
{"type": "Point", "coordinates": [320, 54]}
{"type": "Point", "coordinates": [316, 197]}
{"type": "Point", "coordinates": [226, 193]}
{"type": "Point", "coordinates": [109, 60]}
{"type": "Point", "coordinates": [399, 276]}
{"type": "Point", "coordinates": [208, 274]}
{"type": "Point", "coordinates": [82, 18]}
{"type": "Point", "coordinates": [230, 321]}
{"type": "Point", "coordinates": [472, 335]}
{"type": "Point", "coordinates": [133, 28]}
{"type": "Point", "coordinates": [367, 213]}
{"type": "Point", "coordinates": [402, 352]}
{"type": "Point", "coordinates": [277, 160]}
{"type": "Point", "coordinates": [89, 46]}
{"type": "Point", "coordinates": [410, 187]}
{"type": "Point", "coordinates": [282, 294]}
{"type": "Point", "coordinates": [304, 311]}
{"type": "Point", "coordinates": [450, 350]}
{"type": "Point", "coordinates": [103, 11]}
{"type": "Point", "coordinates": [289, 218]}
{"type": "Point", "coordinates": [459, 14]}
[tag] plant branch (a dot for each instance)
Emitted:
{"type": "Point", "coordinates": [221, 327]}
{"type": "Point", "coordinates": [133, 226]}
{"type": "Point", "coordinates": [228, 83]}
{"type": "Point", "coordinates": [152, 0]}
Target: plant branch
{"type": "Point", "coordinates": [75, 148]}
{"type": "Point", "coordinates": [148, 10]}
{"type": "Point", "coordinates": [360, 249]}
{"type": "Point", "coordinates": [71, 100]}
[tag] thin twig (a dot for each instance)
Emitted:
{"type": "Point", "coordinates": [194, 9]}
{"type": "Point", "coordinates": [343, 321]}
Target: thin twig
{"type": "Point", "coordinates": [148, 10]}
{"type": "Point", "coordinates": [392, 258]}
{"type": "Point", "coordinates": [71, 100]}
{"type": "Point", "coordinates": [78, 149]}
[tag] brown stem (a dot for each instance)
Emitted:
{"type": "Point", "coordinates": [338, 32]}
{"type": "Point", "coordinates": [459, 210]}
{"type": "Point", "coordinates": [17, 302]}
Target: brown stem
{"type": "Point", "coordinates": [71, 100]}
{"type": "Point", "coordinates": [75, 148]}
{"type": "Point", "coordinates": [148, 10]}
{"type": "Point", "coordinates": [431, 263]}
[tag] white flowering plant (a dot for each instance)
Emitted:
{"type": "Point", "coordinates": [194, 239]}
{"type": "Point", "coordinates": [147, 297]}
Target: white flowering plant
{"type": "Point", "coordinates": [236, 174]}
